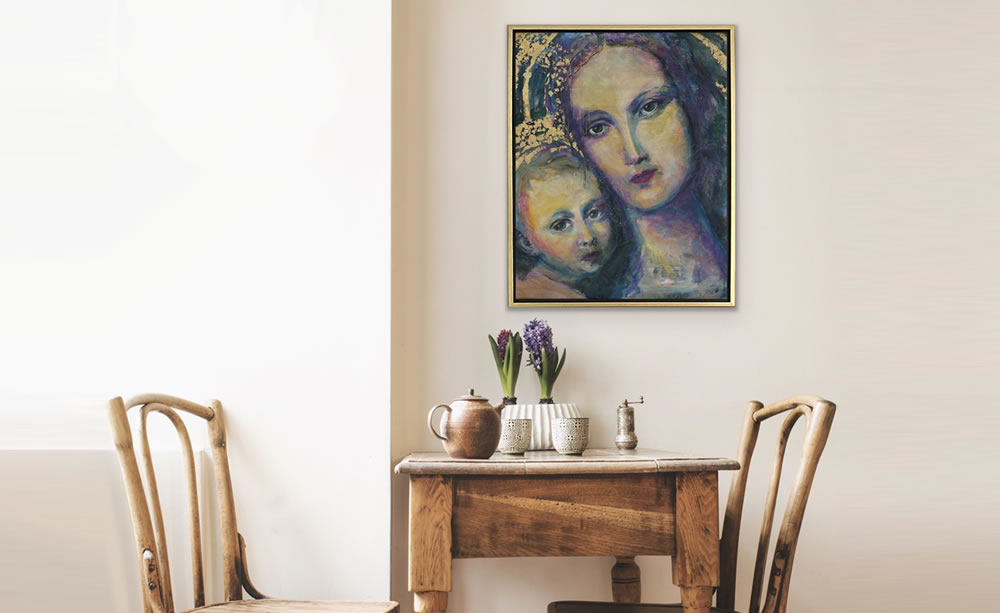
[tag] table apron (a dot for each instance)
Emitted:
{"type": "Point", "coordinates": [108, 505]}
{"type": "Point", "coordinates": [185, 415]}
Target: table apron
{"type": "Point", "coordinates": [563, 515]}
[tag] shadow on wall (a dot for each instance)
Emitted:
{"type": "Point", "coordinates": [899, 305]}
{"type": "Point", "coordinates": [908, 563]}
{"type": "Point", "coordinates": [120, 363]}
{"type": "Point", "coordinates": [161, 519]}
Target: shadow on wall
{"type": "Point", "coordinates": [66, 541]}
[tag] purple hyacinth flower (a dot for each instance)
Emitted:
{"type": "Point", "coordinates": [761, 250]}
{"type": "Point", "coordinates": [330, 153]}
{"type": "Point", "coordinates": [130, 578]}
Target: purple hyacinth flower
{"type": "Point", "coordinates": [537, 338]}
{"type": "Point", "coordinates": [502, 340]}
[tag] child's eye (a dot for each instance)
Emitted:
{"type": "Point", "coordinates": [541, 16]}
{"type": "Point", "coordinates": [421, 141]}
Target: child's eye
{"type": "Point", "coordinates": [561, 225]}
{"type": "Point", "coordinates": [596, 213]}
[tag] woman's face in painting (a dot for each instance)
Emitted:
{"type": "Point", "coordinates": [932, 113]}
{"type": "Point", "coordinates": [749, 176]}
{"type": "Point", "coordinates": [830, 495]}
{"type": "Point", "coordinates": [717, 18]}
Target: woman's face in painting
{"type": "Point", "coordinates": [631, 124]}
{"type": "Point", "coordinates": [564, 221]}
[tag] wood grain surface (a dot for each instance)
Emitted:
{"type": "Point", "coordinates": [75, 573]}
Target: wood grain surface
{"type": "Point", "coordinates": [430, 534]}
{"type": "Point", "coordinates": [696, 599]}
{"type": "Point", "coordinates": [598, 515]}
{"type": "Point", "coordinates": [430, 602]}
{"type": "Point", "coordinates": [697, 560]}
{"type": "Point", "coordinates": [301, 606]}
{"type": "Point", "coordinates": [593, 461]}
{"type": "Point", "coordinates": [626, 583]}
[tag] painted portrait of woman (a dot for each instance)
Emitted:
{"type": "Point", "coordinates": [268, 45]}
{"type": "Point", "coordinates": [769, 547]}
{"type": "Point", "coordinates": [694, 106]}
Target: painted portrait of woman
{"type": "Point", "coordinates": [646, 115]}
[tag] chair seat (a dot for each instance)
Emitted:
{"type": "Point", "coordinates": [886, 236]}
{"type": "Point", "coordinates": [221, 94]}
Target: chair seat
{"type": "Point", "coordinates": [579, 606]}
{"type": "Point", "coordinates": [269, 605]}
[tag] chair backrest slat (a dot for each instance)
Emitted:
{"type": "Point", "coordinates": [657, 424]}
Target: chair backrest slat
{"type": "Point", "coordinates": [141, 523]}
{"type": "Point", "coordinates": [788, 537]}
{"type": "Point", "coordinates": [147, 516]}
{"type": "Point", "coordinates": [767, 523]}
{"type": "Point", "coordinates": [729, 544]}
{"type": "Point", "coordinates": [194, 521]}
{"type": "Point", "coordinates": [819, 417]}
{"type": "Point", "coordinates": [231, 578]}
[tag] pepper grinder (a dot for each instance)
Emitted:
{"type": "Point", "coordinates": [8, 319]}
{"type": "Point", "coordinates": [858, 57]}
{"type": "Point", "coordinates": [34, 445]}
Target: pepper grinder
{"type": "Point", "coordinates": [626, 438]}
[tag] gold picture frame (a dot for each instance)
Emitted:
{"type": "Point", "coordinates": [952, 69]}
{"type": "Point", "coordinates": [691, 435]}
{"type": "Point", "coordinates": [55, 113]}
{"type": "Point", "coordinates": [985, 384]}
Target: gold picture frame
{"type": "Point", "coordinates": [621, 166]}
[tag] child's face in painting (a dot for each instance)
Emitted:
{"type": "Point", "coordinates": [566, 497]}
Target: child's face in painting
{"type": "Point", "coordinates": [564, 220]}
{"type": "Point", "coordinates": [631, 124]}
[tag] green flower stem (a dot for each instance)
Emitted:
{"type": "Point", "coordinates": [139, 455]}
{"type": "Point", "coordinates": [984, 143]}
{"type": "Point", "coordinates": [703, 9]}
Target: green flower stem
{"type": "Point", "coordinates": [510, 366]}
{"type": "Point", "coordinates": [550, 371]}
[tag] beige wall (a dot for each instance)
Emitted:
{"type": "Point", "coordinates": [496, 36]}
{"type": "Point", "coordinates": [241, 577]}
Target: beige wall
{"type": "Point", "coordinates": [866, 237]}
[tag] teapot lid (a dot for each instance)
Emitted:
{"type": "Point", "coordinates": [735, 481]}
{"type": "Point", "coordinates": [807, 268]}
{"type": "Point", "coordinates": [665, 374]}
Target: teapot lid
{"type": "Point", "coordinates": [471, 396]}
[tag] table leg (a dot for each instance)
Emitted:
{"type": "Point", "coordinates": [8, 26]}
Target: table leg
{"type": "Point", "coordinates": [696, 599]}
{"type": "Point", "coordinates": [430, 602]}
{"type": "Point", "coordinates": [696, 563]}
{"type": "Point", "coordinates": [626, 585]}
{"type": "Point", "coordinates": [430, 542]}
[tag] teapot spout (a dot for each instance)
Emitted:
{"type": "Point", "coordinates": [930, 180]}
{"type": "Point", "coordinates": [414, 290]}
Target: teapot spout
{"type": "Point", "coordinates": [500, 407]}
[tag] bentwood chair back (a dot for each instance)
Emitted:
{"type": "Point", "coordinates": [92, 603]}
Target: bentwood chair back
{"type": "Point", "coordinates": [147, 517]}
{"type": "Point", "coordinates": [818, 414]}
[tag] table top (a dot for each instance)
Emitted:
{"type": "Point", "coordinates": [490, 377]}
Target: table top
{"type": "Point", "coordinates": [593, 461]}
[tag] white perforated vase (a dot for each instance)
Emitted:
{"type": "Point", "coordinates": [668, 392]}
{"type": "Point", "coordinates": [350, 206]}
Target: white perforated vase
{"type": "Point", "coordinates": [541, 416]}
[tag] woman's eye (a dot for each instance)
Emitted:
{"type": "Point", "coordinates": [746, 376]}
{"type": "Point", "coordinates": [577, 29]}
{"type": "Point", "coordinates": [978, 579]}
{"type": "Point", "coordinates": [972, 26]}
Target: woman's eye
{"type": "Point", "coordinates": [561, 225]}
{"type": "Point", "coordinates": [597, 129]}
{"type": "Point", "coordinates": [595, 213]}
{"type": "Point", "coordinates": [650, 108]}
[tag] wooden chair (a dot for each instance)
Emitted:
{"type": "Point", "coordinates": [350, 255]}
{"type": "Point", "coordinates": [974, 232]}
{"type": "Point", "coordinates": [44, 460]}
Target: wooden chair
{"type": "Point", "coordinates": [819, 417]}
{"type": "Point", "coordinates": [152, 550]}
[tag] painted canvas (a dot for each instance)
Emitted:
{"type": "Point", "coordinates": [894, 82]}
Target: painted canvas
{"type": "Point", "coordinates": [621, 166]}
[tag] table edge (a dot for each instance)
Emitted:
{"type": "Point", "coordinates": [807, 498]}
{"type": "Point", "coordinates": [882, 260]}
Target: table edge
{"type": "Point", "coordinates": [555, 467]}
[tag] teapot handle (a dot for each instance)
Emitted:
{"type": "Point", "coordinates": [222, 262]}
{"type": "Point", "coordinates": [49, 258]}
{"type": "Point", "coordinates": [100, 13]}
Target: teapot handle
{"type": "Point", "coordinates": [430, 420]}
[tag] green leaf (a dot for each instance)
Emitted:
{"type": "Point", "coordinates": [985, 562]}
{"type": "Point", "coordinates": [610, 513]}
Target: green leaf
{"type": "Point", "coordinates": [543, 377]}
{"type": "Point", "coordinates": [507, 357]}
{"type": "Point", "coordinates": [515, 361]}
{"type": "Point", "coordinates": [495, 352]}
{"type": "Point", "coordinates": [559, 367]}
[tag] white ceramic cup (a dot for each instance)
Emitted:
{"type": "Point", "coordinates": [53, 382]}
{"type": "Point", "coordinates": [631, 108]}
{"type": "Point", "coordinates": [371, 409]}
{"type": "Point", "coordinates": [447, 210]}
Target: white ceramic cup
{"type": "Point", "coordinates": [515, 436]}
{"type": "Point", "coordinates": [570, 435]}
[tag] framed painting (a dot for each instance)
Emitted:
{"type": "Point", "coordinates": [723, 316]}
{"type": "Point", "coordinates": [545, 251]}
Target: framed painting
{"type": "Point", "coordinates": [620, 166]}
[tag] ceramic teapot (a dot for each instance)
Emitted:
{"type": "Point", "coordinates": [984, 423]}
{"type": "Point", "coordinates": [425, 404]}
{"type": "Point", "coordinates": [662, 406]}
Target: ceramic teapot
{"type": "Point", "coordinates": [470, 427]}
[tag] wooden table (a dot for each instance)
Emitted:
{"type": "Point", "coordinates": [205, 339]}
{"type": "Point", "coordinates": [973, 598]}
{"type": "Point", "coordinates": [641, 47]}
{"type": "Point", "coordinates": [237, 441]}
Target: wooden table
{"type": "Point", "coordinates": [604, 503]}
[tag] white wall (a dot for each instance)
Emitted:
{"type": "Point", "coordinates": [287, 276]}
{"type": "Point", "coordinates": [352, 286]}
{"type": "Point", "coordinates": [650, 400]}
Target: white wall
{"type": "Point", "coordinates": [866, 237]}
{"type": "Point", "coordinates": [66, 540]}
{"type": "Point", "coordinates": [194, 199]}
